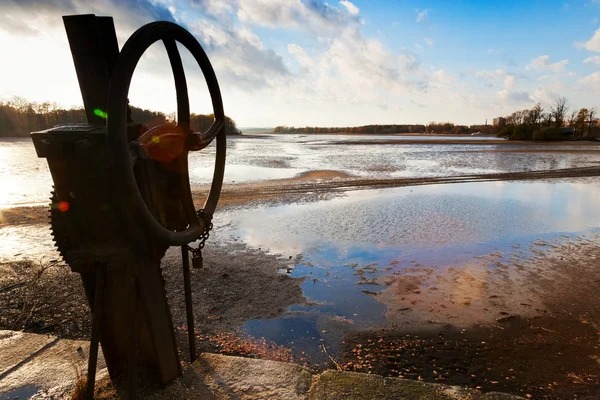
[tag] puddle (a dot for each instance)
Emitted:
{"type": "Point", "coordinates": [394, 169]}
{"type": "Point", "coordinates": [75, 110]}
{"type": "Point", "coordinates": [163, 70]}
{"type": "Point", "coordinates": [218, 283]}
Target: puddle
{"type": "Point", "coordinates": [24, 392]}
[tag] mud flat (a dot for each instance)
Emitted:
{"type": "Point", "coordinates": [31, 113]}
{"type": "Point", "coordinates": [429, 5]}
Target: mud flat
{"type": "Point", "coordinates": [528, 327]}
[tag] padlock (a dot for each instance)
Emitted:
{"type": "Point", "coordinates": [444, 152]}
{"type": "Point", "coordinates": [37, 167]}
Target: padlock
{"type": "Point", "coordinates": [197, 261]}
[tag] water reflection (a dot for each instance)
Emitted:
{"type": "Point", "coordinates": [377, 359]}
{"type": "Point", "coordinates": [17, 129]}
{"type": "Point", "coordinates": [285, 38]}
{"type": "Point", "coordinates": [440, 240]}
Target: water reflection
{"type": "Point", "coordinates": [24, 178]}
{"type": "Point", "coordinates": [27, 241]}
{"type": "Point", "coordinates": [422, 216]}
{"type": "Point", "coordinates": [347, 243]}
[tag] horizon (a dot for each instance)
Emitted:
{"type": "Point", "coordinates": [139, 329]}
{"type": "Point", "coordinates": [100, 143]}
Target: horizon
{"type": "Point", "coordinates": [348, 63]}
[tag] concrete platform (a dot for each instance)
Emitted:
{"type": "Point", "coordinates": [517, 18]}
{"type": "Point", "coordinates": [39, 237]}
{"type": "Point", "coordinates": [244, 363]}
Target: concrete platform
{"type": "Point", "coordinates": [41, 366]}
{"type": "Point", "coordinates": [245, 378]}
{"type": "Point", "coordinates": [44, 367]}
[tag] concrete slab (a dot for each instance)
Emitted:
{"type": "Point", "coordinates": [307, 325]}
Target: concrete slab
{"type": "Point", "coordinates": [341, 385]}
{"type": "Point", "coordinates": [18, 346]}
{"type": "Point", "coordinates": [43, 367]}
{"type": "Point", "coordinates": [246, 378]}
{"type": "Point", "coordinates": [40, 366]}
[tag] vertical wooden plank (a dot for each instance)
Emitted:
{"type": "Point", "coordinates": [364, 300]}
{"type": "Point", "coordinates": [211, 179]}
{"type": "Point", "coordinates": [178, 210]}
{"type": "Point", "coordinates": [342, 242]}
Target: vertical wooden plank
{"type": "Point", "coordinates": [93, 48]}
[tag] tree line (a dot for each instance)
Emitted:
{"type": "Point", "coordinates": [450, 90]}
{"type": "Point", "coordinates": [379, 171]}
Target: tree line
{"type": "Point", "coordinates": [19, 117]}
{"type": "Point", "coordinates": [353, 129]}
{"type": "Point", "coordinates": [432, 127]}
{"type": "Point", "coordinates": [555, 124]}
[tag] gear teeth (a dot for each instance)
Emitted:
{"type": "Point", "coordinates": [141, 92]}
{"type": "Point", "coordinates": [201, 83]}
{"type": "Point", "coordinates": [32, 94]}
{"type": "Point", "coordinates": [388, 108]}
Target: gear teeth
{"type": "Point", "coordinates": [59, 229]}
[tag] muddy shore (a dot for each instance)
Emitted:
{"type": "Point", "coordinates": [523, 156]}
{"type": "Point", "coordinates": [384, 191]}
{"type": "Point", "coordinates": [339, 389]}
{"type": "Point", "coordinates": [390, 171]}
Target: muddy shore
{"type": "Point", "coordinates": [529, 327]}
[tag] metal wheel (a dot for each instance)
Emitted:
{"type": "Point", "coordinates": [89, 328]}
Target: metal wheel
{"type": "Point", "coordinates": [130, 55]}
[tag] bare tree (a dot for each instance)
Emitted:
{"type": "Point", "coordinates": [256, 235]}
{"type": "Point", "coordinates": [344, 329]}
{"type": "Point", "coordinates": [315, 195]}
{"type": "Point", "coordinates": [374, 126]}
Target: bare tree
{"type": "Point", "coordinates": [545, 119]}
{"type": "Point", "coordinates": [519, 117]}
{"type": "Point", "coordinates": [572, 118]}
{"type": "Point", "coordinates": [535, 115]}
{"type": "Point", "coordinates": [591, 113]}
{"type": "Point", "coordinates": [582, 116]}
{"type": "Point", "coordinates": [559, 110]}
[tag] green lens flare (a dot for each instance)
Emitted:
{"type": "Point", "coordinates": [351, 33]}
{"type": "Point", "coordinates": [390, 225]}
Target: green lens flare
{"type": "Point", "coordinates": [100, 113]}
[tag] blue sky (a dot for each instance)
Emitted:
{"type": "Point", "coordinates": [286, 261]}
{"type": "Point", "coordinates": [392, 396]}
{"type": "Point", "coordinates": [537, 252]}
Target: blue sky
{"type": "Point", "coordinates": [337, 63]}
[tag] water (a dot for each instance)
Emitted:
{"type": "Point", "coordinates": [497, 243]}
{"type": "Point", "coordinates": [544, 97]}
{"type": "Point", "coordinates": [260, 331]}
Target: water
{"type": "Point", "coordinates": [26, 179]}
{"type": "Point", "coordinates": [24, 392]}
{"type": "Point", "coordinates": [348, 241]}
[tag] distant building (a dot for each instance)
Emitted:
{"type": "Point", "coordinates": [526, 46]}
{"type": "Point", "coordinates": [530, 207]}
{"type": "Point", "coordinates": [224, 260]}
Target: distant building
{"type": "Point", "coordinates": [499, 122]}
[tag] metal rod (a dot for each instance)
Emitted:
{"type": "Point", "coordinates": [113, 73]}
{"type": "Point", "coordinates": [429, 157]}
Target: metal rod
{"type": "Point", "coordinates": [133, 341]}
{"type": "Point", "coordinates": [96, 318]}
{"type": "Point", "coordinates": [189, 310]}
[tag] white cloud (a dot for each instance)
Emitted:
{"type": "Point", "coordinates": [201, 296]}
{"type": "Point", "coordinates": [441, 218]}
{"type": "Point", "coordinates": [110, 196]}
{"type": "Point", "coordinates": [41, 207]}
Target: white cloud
{"type": "Point", "coordinates": [239, 55]}
{"type": "Point", "coordinates": [593, 44]}
{"type": "Point", "coordinates": [352, 9]}
{"type": "Point", "coordinates": [408, 60]}
{"type": "Point", "coordinates": [428, 41]}
{"type": "Point", "coordinates": [488, 75]}
{"type": "Point", "coordinates": [423, 17]}
{"type": "Point", "coordinates": [592, 59]}
{"type": "Point", "coordinates": [307, 15]}
{"type": "Point", "coordinates": [509, 95]}
{"type": "Point", "coordinates": [300, 55]}
{"type": "Point", "coordinates": [510, 81]}
{"type": "Point", "coordinates": [513, 97]}
{"type": "Point", "coordinates": [542, 63]}
{"type": "Point", "coordinates": [591, 80]}
{"type": "Point", "coordinates": [442, 77]}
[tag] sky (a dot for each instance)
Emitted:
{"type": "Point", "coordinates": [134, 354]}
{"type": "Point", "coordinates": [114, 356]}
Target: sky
{"type": "Point", "coordinates": [336, 63]}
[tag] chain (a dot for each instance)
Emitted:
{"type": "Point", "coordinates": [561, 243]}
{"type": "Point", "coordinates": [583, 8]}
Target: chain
{"type": "Point", "coordinates": [204, 236]}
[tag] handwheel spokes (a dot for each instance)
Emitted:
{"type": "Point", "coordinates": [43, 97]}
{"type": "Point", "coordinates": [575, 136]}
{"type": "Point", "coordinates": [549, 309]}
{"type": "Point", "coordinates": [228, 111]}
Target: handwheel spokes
{"type": "Point", "coordinates": [198, 141]}
{"type": "Point", "coordinates": [183, 101]}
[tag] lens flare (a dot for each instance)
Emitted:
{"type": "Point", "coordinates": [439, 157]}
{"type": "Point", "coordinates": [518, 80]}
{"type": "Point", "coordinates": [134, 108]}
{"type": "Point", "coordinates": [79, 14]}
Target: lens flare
{"type": "Point", "coordinates": [100, 113]}
{"type": "Point", "coordinates": [63, 206]}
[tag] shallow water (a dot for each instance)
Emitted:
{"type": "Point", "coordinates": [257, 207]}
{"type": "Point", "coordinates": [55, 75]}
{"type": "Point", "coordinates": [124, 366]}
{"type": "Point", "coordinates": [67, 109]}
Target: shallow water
{"type": "Point", "coordinates": [346, 242]}
{"type": "Point", "coordinates": [24, 392]}
{"type": "Point", "coordinates": [26, 179]}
